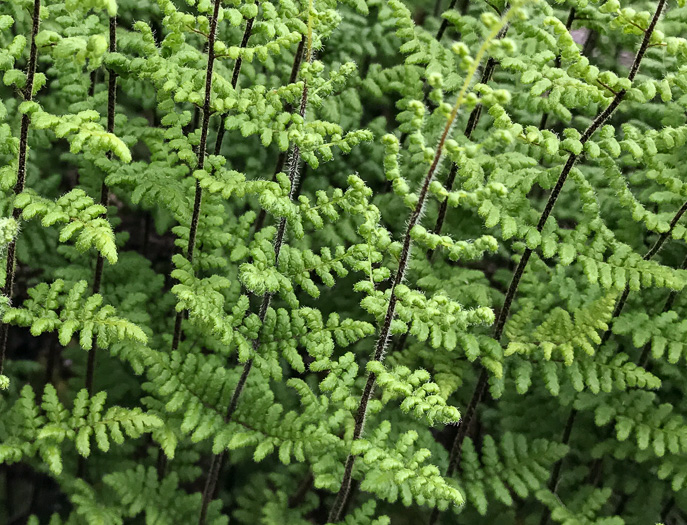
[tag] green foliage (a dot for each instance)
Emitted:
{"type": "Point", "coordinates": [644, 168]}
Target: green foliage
{"type": "Point", "coordinates": [513, 467]}
{"type": "Point", "coordinates": [31, 429]}
{"type": "Point", "coordinates": [360, 261]}
{"type": "Point", "coordinates": [76, 314]}
{"type": "Point", "coordinates": [80, 213]}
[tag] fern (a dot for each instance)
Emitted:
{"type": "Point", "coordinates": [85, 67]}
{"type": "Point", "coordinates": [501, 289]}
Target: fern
{"type": "Point", "coordinates": [358, 262]}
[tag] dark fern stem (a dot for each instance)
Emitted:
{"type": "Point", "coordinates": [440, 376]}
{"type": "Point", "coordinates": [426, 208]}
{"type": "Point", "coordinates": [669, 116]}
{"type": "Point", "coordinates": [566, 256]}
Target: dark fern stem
{"type": "Point", "coordinates": [437, 8]}
{"type": "Point", "coordinates": [667, 509]}
{"type": "Point", "coordinates": [303, 488]}
{"type": "Point", "coordinates": [595, 470]}
{"type": "Point", "coordinates": [589, 44]}
{"type": "Point", "coordinates": [21, 173]}
{"type": "Point", "coordinates": [93, 80]}
{"type": "Point", "coordinates": [440, 34]}
{"type": "Point", "coordinates": [218, 459]}
{"type": "Point", "coordinates": [198, 198]}
{"type": "Point", "coordinates": [51, 363]}
{"type": "Point", "coordinates": [281, 159]}
{"type": "Point", "coordinates": [234, 81]}
{"type": "Point", "coordinates": [557, 62]}
{"type": "Point", "coordinates": [344, 493]}
{"type": "Point", "coordinates": [473, 121]}
{"type": "Point", "coordinates": [444, 23]}
{"type": "Point", "coordinates": [648, 256]}
{"type": "Point", "coordinates": [555, 477]}
{"type": "Point", "coordinates": [599, 121]}
{"type": "Point", "coordinates": [201, 152]}
{"type": "Point", "coordinates": [104, 201]}
{"type": "Point", "coordinates": [643, 360]}
{"type": "Point", "coordinates": [622, 503]}
{"type": "Point", "coordinates": [104, 190]}
{"type": "Point", "coordinates": [620, 304]}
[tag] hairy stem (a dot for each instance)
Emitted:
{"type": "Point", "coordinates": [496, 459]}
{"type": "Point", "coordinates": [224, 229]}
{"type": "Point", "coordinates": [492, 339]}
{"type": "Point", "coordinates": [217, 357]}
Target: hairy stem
{"type": "Point", "coordinates": [643, 360]}
{"type": "Point", "coordinates": [197, 201]}
{"type": "Point", "coordinates": [281, 159]}
{"type": "Point", "coordinates": [382, 340]}
{"type": "Point", "coordinates": [176, 337]}
{"type": "Point", "coordinates": [473, 121]}
{"type": "Point", "coordinates": [340, 503]}
{"type": "Point", "coordinates": [234, 81]}
{"type": "Point", "coordinates": [557, 62]}
{"type": "Point", "coordinates": [21, 173]}
{"type": "Point", "coordinates": [104, 201]}
{"type": "Point", "coordinates": [218, 459]}
{"type": "Point", "coordinates": [444, 23]}
{"type": "Point", "coordinates": [599, 121]}
{"type": "Point", "coordinates": [104, 190]}
{"type": "Point", "coordinates": [667, 509]}
{"type": "Point", "coordinates": [303, 488]}
{"type": "Point", "coordinates": [620, 304]}
{"type": "Point", "coordinates": [51, 360]}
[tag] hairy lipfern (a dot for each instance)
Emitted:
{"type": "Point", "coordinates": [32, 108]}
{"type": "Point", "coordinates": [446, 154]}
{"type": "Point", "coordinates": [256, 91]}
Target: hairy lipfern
{"type": "Point", "coordinates": [343, 261]}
